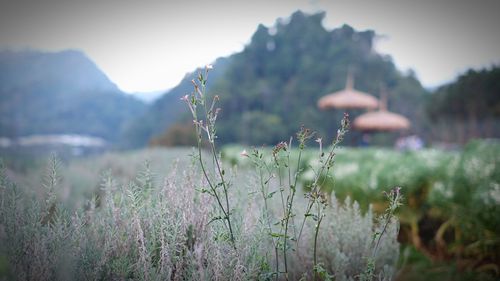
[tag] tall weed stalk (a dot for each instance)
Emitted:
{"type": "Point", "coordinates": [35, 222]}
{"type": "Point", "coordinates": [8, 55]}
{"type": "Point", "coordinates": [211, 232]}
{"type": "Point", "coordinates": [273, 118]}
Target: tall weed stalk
{"type": "Point", "coordinates": [395, 199]}
{"type": "Point", "coordinates": [285, 237]}
{"type": "Point", "coordinates": [204, 118]}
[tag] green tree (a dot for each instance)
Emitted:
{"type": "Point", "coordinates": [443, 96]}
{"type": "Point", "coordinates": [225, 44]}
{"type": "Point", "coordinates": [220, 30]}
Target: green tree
{"type": "Point", "coordinates": [471, 105]}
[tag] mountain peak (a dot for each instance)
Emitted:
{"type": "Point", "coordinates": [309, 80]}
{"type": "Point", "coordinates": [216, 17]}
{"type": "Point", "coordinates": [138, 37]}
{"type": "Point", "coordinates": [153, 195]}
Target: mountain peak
{"type": "Point", "coordinates": [71, 70]}
{"type": "Point", "coordinates": [60, 93]}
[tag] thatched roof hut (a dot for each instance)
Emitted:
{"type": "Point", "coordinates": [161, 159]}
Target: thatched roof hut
{"type": "Point", "coordinates": [381, 120]}
{"type": "Point", "coordinates": [348, 98]}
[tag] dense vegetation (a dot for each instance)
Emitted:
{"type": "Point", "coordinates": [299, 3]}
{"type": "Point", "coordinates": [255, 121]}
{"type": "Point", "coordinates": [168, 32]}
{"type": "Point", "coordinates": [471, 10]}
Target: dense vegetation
{"type": "Point", "coordinates": [469, 107]}
{"type": "Point", "coordinates": [450, 213]}
{"type": "Point", "coordinates": [271, 88]}
{"type": "Point", "coordinates": [60, 93]}
{"type": "Point", "coordinates": [449, 227]}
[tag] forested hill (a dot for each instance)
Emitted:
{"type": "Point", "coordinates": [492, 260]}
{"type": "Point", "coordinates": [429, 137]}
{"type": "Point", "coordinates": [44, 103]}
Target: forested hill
{"type": "Point", "coordinates": [272, 87]}
{"type": "Point", "coordinates": [60, 93]}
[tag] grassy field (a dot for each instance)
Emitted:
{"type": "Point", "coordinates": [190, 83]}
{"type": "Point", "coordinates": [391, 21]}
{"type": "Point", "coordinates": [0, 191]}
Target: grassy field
{"type": "Point", "coordinates": [141, 215]}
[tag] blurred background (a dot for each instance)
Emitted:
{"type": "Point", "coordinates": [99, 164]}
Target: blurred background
{"type": "Point", "coordinates": [100, 83]}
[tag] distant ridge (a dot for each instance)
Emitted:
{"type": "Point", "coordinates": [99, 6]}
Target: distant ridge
{"type": "Point", "coordinates": [60, 93]}
{"type": "Point", "coordinates": [70, 70]}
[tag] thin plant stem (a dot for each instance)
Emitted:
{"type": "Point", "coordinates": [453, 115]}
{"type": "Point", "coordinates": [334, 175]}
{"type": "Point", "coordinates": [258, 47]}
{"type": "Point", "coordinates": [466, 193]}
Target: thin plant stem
{"type": "Point", "coordinates": [199, 97]}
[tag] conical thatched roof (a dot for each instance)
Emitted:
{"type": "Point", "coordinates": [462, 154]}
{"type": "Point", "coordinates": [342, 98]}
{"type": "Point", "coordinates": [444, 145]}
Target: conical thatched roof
{"type": "Point", "coordinates": [381, 120]}
{"type": "Point", "coordinates": [348, 98]}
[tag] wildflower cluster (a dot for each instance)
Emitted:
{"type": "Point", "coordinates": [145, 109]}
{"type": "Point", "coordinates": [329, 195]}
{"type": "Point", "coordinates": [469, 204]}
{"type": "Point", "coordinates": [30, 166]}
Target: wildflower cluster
{"type": "Point", "coordinates": [284, 233]}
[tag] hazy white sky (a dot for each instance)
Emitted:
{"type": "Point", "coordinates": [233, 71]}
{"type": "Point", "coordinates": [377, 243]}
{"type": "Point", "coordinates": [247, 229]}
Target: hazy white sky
{"type": "Point", "coordinates": [149, 45]}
